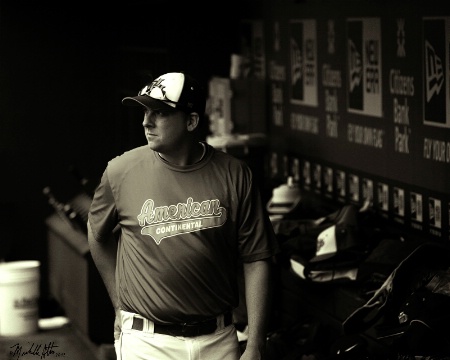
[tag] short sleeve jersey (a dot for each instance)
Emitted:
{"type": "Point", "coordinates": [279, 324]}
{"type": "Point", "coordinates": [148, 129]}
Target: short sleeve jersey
{"type": "Point", "coordinates": [183, 231]}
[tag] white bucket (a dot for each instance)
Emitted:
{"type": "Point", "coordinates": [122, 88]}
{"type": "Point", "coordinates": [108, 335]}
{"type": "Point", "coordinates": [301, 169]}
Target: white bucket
{"type": "Point", "coordinates": [19, 297]}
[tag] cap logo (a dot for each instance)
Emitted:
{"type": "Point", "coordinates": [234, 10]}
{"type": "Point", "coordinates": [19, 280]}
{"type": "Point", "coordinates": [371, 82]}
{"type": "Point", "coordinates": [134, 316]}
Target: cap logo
{"type": "Point", "coordinates": [326, 243]}
{"type": "Point", "coordinates": [154, 87]}
{"type": "Point", "coordinates": [156, 90]}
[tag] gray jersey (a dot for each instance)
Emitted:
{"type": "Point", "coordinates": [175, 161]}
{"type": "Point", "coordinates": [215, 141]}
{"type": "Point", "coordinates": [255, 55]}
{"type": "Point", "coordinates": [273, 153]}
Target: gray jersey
{"type": "Point", "coordinates": [184, 230]}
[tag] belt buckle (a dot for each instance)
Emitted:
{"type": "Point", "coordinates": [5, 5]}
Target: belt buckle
{"type": "Point", "coordinates": [190, 330]}
{"type": "Point", "coordinates": [197, 329]}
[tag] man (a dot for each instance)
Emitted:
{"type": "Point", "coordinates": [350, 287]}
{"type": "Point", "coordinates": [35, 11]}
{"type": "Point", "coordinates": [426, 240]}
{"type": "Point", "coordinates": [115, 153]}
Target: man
{"type": "Point", "coordinates": [168, 228]}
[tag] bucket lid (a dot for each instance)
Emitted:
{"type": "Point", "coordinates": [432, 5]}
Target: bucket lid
{"type": "Point", "coordinates": [19, 265]}
{"type": "Point", "coordinates": [19, 270]}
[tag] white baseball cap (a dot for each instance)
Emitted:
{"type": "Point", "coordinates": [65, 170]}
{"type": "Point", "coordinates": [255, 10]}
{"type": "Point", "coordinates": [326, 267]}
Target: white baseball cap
{"type": "Point", "coordinates": [174, 90]}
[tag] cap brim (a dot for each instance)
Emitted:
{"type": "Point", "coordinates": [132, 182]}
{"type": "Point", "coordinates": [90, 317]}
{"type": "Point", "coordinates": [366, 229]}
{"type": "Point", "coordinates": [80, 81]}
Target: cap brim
{"type": "Point", "coordinates": [146, 101]}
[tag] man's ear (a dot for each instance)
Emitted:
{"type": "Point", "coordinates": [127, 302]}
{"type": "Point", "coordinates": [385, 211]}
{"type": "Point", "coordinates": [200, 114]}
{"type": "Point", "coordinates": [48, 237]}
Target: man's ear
{"type": "Point", "coordinates": [193, 121]}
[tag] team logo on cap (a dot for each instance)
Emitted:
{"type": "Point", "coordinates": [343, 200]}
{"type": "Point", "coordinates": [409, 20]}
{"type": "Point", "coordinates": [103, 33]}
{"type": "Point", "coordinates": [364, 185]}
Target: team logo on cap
{"type": "Point", "coordinates": [156, 90]}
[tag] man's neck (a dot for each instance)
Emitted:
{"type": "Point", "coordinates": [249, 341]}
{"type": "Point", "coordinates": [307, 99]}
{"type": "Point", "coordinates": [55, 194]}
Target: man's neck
{"type": "Point", "coordinates": [196, 155]}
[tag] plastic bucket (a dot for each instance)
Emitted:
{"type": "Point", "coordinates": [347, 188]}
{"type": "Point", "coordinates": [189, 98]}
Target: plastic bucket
{"type": "Point", "coordinates": [19, 297]}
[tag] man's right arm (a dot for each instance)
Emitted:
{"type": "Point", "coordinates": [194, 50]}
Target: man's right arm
{"type": "Point", "coordinates": [104, 255]}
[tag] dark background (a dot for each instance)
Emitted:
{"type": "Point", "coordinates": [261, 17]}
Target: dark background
{"type": "Point", "coordinates": [64, 67]}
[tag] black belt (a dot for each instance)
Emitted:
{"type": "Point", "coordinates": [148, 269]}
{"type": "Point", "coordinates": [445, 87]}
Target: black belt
{"type": "Point", "coordinates": [186, 330]}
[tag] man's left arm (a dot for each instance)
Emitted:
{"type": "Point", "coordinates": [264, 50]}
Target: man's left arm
{"type": "Point", "coordinates": [257, 276]}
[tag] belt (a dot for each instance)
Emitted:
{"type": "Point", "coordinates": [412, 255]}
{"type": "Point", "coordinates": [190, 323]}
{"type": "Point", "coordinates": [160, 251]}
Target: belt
{"type": "Point", "coordinates": [187, 329]}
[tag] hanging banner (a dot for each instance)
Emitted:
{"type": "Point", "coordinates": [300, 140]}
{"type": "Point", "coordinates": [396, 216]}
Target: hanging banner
{"type": "Point", "coordinates": [303, 61]}
{"type": "Point", "coordinates": [364, 66]}
{"type": "Point", "coordinates": [436, 91]}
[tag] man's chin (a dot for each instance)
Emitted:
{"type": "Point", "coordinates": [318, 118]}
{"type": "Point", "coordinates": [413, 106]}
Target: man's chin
{"type": "Point", "coordinates": [152, 145]}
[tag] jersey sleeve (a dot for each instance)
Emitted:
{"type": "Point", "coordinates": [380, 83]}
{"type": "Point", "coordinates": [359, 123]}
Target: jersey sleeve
{"type": "Point", "coordinates": [103, 212]}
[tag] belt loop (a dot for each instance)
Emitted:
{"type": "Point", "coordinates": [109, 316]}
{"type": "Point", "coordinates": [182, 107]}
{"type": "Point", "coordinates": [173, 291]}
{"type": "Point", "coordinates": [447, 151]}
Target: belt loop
{"type": "Point", "coordinates": [220, 322]}
{"type": "Point", "coordinates": [149, 326]}
{"type": "Point", "coordinates": [126, 320]}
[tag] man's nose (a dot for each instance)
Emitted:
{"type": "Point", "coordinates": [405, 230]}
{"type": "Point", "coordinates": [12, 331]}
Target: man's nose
{"type": "Point", "coordinates": [149, 119]}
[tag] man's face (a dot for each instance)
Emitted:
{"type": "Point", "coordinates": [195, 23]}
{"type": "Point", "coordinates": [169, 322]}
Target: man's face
{"type": "Point", "coordinates": [164, 129]}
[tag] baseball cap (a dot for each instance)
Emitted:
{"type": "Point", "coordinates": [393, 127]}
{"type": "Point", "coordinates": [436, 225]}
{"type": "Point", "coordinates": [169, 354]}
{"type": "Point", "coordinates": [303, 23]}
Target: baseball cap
{"type": "Point", "coordinates": [340, 237]}
{"type": "Point", "coordinates": [174, 90]}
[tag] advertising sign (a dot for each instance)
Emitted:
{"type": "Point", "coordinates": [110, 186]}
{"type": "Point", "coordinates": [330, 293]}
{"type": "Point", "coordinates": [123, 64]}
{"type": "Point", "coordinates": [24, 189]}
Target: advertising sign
{"type": "Point", "coordinates": [364, 66]}
{"type": "Point", "coordinates": [303, 59]}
